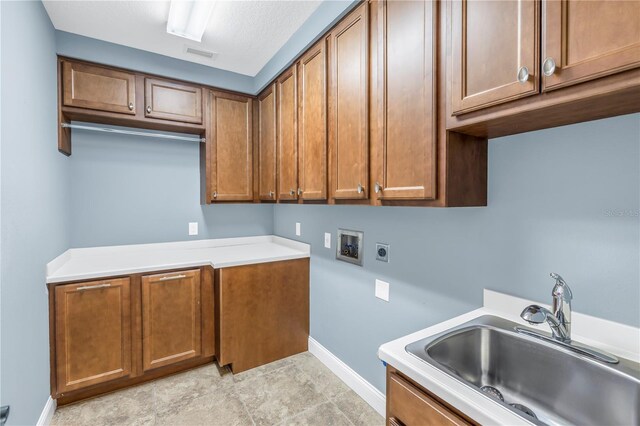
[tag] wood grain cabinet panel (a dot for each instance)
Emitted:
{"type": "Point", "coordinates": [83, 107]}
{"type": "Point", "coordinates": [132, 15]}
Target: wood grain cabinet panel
{"type": "Point", "coordinates": [167, 100]}
{"type": "Point", "coordinates": [407, 405]}
{"type": "Point", "coordinates": [232, 147]}
{"type": "Point", "coordinates": [406, 142]}
{"type": "Point", "coordinates": [589, 39]}
{"type": "Point", "coordinates": [171, 318]}
{"type": "Point", "coordinates": [98, 88]}
{"type": "Point", "coordinates": [349, 100]}
{"type": "Point", "coordinates": [287, 129]}
{"type": "Point", "coordinates": [312, 123]}
{"type": "Point", "coordinates": [92, 333]}
{"type": "Point", "coordinates": [263, 312]}
{"type": "Point", "coordinates": [267, 144]}
{"type": "Point", "coordinates": [492, 42]}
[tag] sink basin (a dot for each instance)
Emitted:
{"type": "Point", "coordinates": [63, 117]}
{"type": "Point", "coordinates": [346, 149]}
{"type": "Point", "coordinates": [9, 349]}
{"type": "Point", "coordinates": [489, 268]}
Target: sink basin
{"type": "Point", "coordinates": [542, 382]}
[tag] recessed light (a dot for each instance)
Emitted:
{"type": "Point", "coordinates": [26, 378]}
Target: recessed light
{"type": "Point", "coordinates": [189, 19]}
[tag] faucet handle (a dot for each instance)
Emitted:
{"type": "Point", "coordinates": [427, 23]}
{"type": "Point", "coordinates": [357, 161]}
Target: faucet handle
{"type": "Point", "coordinates": [561, 288]}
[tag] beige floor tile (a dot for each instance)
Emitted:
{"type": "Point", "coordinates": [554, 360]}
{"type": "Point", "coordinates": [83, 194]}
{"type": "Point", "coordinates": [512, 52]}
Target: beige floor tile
{"type": "Point", "coordinates": [263, 369]}
{"type": "Point", "coordinates": [272, 397]}
{"type": "Point", "coordinates": [326, 382]}
{"type": "Point", "coordinates": [215, 409]}
{"type": "Point", "coordinates": [357, 410]}
{"type": "Point", "coordinates": [176, 391]}
{"type": "Point", "coordinates": [326, 414]}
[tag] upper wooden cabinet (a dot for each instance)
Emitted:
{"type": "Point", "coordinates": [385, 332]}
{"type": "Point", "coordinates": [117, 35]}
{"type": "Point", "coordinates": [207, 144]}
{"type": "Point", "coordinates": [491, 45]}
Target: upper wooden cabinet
{"type": "Point", "coordinates": [348, 106]}
{"type": "Point", "coordinates": [171, 319]}
{"type": "Point", "coordinates": [267, 144]}
{"type": "Point", "coordinates": [231, 157]}
{"type": "Point", "coordinates": [312, 123]}
{"type": "Point", "coordinates": [405, 148]}
{"type": "Point", "coordinates": [92, 333]}
{"type": "Point", "coordinates": [287, 134]}
{"type": "Point", "coordinates": [584, 40]}
{"type": "Point", "coordinates": [167, 100]}
{"type": "Point", "coordinates": [495, 53]}
{"type": "Point", "coordinates": [98, 88]}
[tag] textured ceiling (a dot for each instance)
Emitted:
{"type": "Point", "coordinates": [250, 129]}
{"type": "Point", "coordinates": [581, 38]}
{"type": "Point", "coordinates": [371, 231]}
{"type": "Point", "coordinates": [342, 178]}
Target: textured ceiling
{"type": "Point", "coordinates": [244, 34]}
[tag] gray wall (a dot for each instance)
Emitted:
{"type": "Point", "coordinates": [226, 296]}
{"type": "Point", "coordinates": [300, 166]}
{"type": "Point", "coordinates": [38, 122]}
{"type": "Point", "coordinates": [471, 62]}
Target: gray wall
{"type": "Point", "coordinates": [33, 205]}
{"type": "Point", "coordinates": [564, 200]}
{"type": "Point", "coordinates": [133, 190]}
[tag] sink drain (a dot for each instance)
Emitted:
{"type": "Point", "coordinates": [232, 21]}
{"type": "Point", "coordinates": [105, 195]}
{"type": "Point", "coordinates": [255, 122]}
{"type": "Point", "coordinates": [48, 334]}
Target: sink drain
{"type": "Point", "coordinates": [528, 411]}
{"type": "Point", "coordinates": [496, 394]}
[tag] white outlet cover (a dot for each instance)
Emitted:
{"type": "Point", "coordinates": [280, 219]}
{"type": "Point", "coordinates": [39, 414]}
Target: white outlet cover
{"type": "Point", "coordinates": [382, 290]}
{"type": "Point", "coordinates": [327, 240]}
{"type": "Point", "coordinates": [298, 232]}
{"type": "Point", "coordinates": [193, 228]}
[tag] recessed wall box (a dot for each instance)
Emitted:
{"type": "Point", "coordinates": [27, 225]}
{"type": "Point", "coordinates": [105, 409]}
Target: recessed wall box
{"type": "Point", "coordinates": [349, 246]}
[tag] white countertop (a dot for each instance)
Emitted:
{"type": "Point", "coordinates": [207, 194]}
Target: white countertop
{"type": "Point", "coordinates": [88, 263]}
{"type": "Point", "coordinates": [619, 339]}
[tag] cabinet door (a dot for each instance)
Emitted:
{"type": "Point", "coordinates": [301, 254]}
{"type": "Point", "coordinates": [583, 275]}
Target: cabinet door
{"type": "Point", "coordinates": [94, 87]}
{"type": "Point", "coordinates": [267, 144]}
{"type": "Point", "coordinates": [232, 151]}
{"type": "Point", "coordinates": [263, 312]}
{"type": "Point", "coordinates": [589, 39]}
{"type": "Point", "coordinates": [93, 333]}
{"type": "Point", "coordinates": [409, 406]}
{"type": "Point", "coordinates": [287, 116]}
{"type": "Point", "coordinates": [312, 123]}
{"type": "Point", "coordinates": [348, 111]}
{"type": "Point", "coordinates": [495, 52]}
{"type": "Point", "coordinates": [171, 319]}
{"type": "Point", "coordinates": [407, 105]}
{"type": "Point", "coordinates": [172, 101]}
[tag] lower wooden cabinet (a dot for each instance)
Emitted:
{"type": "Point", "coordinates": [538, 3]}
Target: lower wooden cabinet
{"type": "Point", "coordinates": [170, 318]}
{"type": "Point", "coordinates": [92, 333]}
{"type": "Point", "coordinates": [112, 333]}
{"type": "Point", "coordinates": [263, 312]}
{"type": "Point", "coordinates": [411, 405]}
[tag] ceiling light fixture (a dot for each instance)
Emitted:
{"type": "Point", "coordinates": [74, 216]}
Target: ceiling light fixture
{"type": "Point", "coordinates": [189, 19]}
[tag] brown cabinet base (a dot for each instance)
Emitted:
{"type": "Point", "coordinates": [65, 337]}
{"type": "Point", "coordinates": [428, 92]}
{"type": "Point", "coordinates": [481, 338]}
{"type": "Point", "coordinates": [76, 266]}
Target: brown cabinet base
{"type": "Point", "coordinates": [409, 404]}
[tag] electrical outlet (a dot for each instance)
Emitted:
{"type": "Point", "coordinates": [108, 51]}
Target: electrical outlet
{"type": "Point", "coordinates": [382, 290]}
{"type": "Point", "coordinates": [193, 228]}
{"type": "Point", "coordinates": [382, 252]}
{"type": "Point", "coordinates": [298, 231]}
{"type": "Point", "coordinates": [327, 240]}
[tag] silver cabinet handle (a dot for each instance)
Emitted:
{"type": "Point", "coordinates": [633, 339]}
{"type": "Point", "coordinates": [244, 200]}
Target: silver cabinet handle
{"type": "Point", "coordinates": [523, 75]}
{"type": "Point", "coordinates": [215, 194]}
{"type": "Point", "coordinates": [360, 188]}
{"type": "Point", "coordinates": [271, 194]}
{"type": "Point", "coordinates": [292, 192]}
{"type": "Point", "coordinates": [149, 109]}
{"type": "Point", "coordinates": [173, 277]}
{"type": "Point", "coordinates": [130, 106]}
{"type": "Point", "coordinates": [299, 191]}
{"type": "Point", "coordinates": [377, 188]}
{"type": "Point", "coordinates": [549, 67]}
{"type": "Point", "coordinates": [93, 287]}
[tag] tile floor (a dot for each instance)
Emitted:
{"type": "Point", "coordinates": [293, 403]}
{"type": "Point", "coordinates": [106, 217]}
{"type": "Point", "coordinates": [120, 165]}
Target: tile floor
{"type": "Point", "coordinates": [298, 390]}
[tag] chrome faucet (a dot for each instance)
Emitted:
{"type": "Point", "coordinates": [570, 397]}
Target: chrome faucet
{"type": "Point", "coordinates": [560, 319]}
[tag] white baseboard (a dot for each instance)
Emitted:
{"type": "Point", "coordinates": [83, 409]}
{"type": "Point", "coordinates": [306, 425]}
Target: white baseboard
{"type": "Point", "coordinates": [366, 390]}
{"type": "Point", "coordinates": [47, 413]}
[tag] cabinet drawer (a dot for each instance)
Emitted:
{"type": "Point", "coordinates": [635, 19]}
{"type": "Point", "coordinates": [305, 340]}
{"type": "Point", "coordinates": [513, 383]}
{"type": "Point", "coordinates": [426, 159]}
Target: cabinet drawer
{"type": "Point", "coordinates": [409, 406]}
{"type": "Point", "coordinates": [172, 101]}
{"type": "Point", "coordinates": [99, 88]}
{"type": "Point", "coordinates": [92, 333]}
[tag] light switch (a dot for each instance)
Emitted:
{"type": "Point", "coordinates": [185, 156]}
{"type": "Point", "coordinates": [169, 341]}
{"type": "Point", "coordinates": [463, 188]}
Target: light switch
{"type": "Point", "coordinates": [327, 239]}
{"type": "Point", "coordinates": [298, 232]}
{"type": "Point", "coordinates": [382, 290]}
{"type": "Point", "coordinates": [193, 228]}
